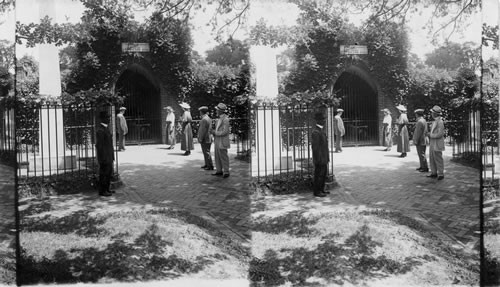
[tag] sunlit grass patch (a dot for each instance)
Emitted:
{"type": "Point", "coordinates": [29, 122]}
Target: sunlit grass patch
{"type": "Point", "coordinates": [8, 266]}
{"type": "Point", "coordinates": [343, 248]}
{"type": "Point", "coordinates": [131, 245]}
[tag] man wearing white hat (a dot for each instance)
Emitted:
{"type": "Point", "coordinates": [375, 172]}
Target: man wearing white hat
{"type": "Point", "coordinates": [338, 130]}
{"type": "Point", "coordinates": [436, 144]}
{"type": "Point", "coordinates": [387, 132]}
{"type": "Point", "coordinates": [221, 142]}
{"type": "Point", "coordinates": [122, 128]}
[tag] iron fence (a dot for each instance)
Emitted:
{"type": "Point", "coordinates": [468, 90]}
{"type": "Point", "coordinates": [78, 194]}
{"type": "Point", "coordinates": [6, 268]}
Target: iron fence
{"type": "Point", "coordinates": [53, 139]}
{"type": "Point", "coordinates": [490, 159]}
{"type": "Point", "coordinates": [281, 140]}
{"type": "Point", "coordinates": [7, 135]}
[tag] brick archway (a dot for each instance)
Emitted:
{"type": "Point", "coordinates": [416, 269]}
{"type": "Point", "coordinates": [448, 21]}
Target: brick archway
{"type": "Point", "coordinates": [143, 103]}
{"type": "Point", "coordinates": [360, 101]}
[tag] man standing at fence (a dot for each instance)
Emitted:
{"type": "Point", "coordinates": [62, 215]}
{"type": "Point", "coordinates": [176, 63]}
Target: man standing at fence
{"type": "Point", "coordinates": [221, 142]}
{"type": "Point", "coordinates": [320, 155]}
{"type": "Point", "coordinates": [420, 139]}
{"type": "Point", "coordinates": [105, 155]}
{"type": "Point", "coordinates": [205, 137]}
{"type": "Point", "coordinates": [338, 130]}
{"type": "Point", "coordinates": [387, 132]}
{"type": "Point", "coordinates": [436, 144]}
{"type": "Point", "coordinates": [122, 128]}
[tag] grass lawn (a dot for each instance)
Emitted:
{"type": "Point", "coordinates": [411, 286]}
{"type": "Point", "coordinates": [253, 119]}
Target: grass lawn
{"type": "Point", "coordinates": [491, 268]}
{"type": "Point", "coordinates": [349, 246]}
{"type": "Point", "coordinates": [7, 263]}
{"type": "Point", "coordinates": [66, 239]}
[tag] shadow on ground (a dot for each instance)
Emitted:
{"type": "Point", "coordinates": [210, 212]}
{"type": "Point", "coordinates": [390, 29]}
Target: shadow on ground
{"type": "Point", "coordinates": [352, 261]}
{"type": "Point", "coordinates": [119, 260]}
{"type": "Point", "coordinates": [116, 257]}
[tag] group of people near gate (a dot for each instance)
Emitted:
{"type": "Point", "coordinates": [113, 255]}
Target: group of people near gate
{"type": "Point", "coordinates": [207, 134]}
{"type": "Point", "coordinates": [422, 137]}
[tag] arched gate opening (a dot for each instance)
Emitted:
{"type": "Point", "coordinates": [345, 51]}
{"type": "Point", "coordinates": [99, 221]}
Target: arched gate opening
{"type": "Point", "coordinates": [143, 103]}
{"type": "Point", "coordinates": [360, 104]}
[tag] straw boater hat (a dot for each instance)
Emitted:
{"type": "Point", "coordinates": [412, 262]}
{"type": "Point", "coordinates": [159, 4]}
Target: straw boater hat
{"type": "Point", "coordinates": [203, 109]}
{"type": "Point", "coordinates": [436, 110]}
{"type": "Point", "coordinates": [168, 108]}
{"type": "Point", "coordinates": [123, 108]}
{"type": "Point", "coordinates": [185, 105]}
{"type": "Point", "coordinates": [339, 110]}
{"type": "Point", "coordinates": [401, 108]}
{"type": "Point", "coordinates": [221, 107]}
{"type": "Point", "coordinates": [419, 111]}
{"type": "Point", "coordinates": [386, 111]}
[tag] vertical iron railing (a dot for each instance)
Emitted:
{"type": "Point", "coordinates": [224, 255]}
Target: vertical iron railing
{"type": "Point", "coordinates": [490, 159]}
{"type": "Point", "coordinates": [7, 134]}
{"type": "Point", "coordinates": [283, 145]}
{"type": "Point", "coordinates": [464, 137]}
{"type": "Point", "coordinates": [55, 139]}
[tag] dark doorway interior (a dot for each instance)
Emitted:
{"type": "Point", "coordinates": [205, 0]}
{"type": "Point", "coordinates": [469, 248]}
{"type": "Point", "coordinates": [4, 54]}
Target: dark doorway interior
{"type": "Point", "coordinates": [359, 101]}
{"type": "Point", "coordinates": [143, 105]}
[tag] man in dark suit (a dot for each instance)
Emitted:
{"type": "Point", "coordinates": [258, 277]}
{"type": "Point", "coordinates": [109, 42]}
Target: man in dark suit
{"type": "Point", "coordinates": [320, 155]}
{"type": "Point", "coordinates": [419, 139]}
{"type": "Point", "coordinates": [205, 137]}
{"type": "Point", "coordinates": [105, 155]}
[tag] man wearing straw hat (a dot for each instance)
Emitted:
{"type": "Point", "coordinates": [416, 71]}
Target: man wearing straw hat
{"type": "Point", "coordinates": [221, 142]}
{"type": "Point", "coordinates": [320, 155]}
{"type": "Point", "coordinates": [170, 127]}
{"type": "Point", "coordinates": [420, 139]}
{"type": "Point", "coordinates": [338, 130]}
{"type": "Point", "coordinates": [122, 128]}
{"type": "Point", "coordinates": [436, 144]}
{"type": "Point", "coordinates": [387, 132]}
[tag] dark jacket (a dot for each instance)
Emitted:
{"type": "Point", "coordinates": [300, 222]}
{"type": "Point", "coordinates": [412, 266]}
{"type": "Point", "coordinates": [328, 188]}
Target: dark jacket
{"type": "Point", "coordinates": [204, 131]}
{"type": "Point", "coordinates": [319, 146]}
{"type": "Point", "coordinates": [104, 145]}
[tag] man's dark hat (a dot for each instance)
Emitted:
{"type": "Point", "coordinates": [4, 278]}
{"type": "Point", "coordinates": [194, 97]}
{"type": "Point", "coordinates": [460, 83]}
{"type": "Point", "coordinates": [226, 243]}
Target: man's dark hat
{"type": "Point", "coordinates": [319, 116]}
{"type": "Point", "coordinates": [103, 114]}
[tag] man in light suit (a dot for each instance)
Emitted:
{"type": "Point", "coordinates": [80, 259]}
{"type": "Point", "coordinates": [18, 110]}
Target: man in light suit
{"type": "Point", "coordinates": [205, 137]}
{"type": "Point", "coordinates": [321, 156]}
{"type": "Point", "coordinates": [105, 155]}
{"type": "Point", "coordinates": [419, 139]}
{"type": "Point", "coordinates": [221, 142]}
{"type": "Point", "coordinates": [122, 128]}
{"type": "Point", "coordinates": [338, 130]}
{"type": "Point", "coordinates": [436, 144]}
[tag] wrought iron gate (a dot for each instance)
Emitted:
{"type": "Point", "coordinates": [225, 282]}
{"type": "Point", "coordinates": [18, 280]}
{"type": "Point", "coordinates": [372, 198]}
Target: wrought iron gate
{"type": "Point", "coordinates": [143, 105]}
{"type": "Point", "coordinates": [359, 102]}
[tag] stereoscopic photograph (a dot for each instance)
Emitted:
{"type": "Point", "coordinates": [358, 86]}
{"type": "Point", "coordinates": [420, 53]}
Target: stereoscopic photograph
{"type": "Point", "coordinates": [249, 143]}
{"type": "Point", "coordinates": [373, 142]}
